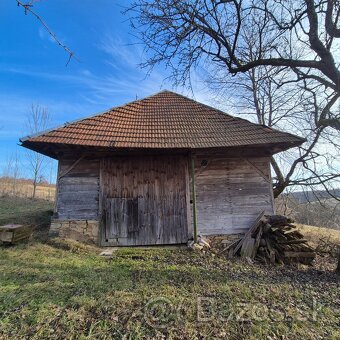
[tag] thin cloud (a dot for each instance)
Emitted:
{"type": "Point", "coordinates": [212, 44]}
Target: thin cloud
{"type": "Point", "coordinates": [44, 35]}
{"type": "Point", "coordinates": [121, 52]}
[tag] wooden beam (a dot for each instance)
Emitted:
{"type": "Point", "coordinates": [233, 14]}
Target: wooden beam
{"type": "Point", "coordinates": [299, 254]}
{"type": "Point", "coordinates": [71, 167]}
{"type": "Point", "coordinates": [260, 172]}
{"type": "Point", "coordinates": [194, 208]}
{"type": "Point", "coordinates": [249, 233]}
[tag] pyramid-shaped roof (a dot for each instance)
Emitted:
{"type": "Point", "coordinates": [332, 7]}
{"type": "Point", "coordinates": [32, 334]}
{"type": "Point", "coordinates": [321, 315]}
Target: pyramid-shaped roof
{"type": "Point", "coordinates": [166, 120]}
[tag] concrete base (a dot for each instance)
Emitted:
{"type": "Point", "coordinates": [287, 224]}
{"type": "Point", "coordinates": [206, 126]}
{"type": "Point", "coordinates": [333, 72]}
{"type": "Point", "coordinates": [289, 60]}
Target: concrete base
{"type": "Point", "coordinates": [86, 231]}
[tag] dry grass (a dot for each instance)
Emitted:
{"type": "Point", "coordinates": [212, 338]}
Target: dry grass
{"type": "Point", "coordinates": [24, 188]}
{"type": "Point", "coordinates": [63, 290]}
{"type": "Point", "coordinates": [316, 234]}
{"type": "Point", "coordinates": [326, 243]}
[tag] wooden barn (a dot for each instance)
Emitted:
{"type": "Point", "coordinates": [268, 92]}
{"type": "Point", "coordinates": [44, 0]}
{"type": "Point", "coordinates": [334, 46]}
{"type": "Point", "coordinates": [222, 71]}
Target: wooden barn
{"type": "Point", "coordinates": [159, 169]}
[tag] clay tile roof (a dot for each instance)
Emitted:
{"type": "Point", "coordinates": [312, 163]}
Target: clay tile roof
{"type": "Point", "coordinates": [164, 120]}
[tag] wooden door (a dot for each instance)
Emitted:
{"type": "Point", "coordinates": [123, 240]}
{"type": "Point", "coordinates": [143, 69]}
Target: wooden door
{"type": "Point", "coordinates": [144, 200]}
{"type": "Point", "coordinates": [122, 215]}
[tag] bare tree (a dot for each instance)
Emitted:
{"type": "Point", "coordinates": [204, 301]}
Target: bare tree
{"type": "Point", "coordinates": [37, 120]}
{"type": "Point", "coordinates": [11, 174]}
{"type": "Point", "coordinates": [300, 35]}
{"type": "Point", "coordinates": [276, 57]}
{"type": "Point", "coordinates": [262, 99]}
{"type": "Point", "coordinates": [15, 171]}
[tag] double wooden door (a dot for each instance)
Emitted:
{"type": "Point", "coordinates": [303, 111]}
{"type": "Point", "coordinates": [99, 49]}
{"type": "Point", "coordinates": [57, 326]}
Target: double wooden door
{"type": "Point", "coordinates": [144, 200]}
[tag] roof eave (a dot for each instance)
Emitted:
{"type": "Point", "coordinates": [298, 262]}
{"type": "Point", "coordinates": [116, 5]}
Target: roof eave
{"type": "Point", "coordinates": [53, 150]}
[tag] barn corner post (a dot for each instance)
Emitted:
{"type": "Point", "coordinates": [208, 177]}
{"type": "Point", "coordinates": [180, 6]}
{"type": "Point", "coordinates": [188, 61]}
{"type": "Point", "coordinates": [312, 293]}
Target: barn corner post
{"type": "Point", "coordinates": [194, 207]}
{"type": "Point", "coordinates": [101, 208]}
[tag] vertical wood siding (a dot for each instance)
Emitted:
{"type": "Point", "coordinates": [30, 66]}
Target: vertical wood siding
{"type": "Point", "coordinates": [231, 192]}
{"type": "Point", "coordinates": [147, 198]}
{"type": "Point", "coordinates": [144, 200]}
{"type": "Point", "coordinates": [78, 190]}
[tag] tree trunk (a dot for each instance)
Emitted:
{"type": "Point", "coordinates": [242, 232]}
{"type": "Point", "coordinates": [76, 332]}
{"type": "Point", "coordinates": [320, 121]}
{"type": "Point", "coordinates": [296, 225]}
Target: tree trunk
{"type": "Point", "coordinates": [34, 187]}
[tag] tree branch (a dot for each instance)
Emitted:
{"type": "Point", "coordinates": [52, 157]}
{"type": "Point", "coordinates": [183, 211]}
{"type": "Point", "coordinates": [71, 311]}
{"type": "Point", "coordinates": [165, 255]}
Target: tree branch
{"type": "Point", "coordinates": [28, 8]}
{"type": "Point", "coordinates": [331, 28]}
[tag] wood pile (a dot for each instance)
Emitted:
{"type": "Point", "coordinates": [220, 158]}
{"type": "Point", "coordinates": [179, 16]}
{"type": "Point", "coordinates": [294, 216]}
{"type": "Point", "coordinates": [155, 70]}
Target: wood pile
{"type": "Point", "coordinates": [272, 239]}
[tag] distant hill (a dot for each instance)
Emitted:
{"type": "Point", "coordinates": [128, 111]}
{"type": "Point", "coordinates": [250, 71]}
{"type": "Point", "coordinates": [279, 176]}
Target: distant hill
{"type": "Point", "coordinates": [312, 196]}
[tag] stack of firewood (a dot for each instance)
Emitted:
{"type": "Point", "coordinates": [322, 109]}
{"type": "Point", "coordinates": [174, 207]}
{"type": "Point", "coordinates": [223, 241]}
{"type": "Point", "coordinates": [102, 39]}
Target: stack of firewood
{"type": "Point", "coordinates": [272, 239]}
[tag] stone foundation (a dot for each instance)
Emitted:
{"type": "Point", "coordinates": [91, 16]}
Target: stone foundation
{"type": "Point", "coordinates": [86, 231]}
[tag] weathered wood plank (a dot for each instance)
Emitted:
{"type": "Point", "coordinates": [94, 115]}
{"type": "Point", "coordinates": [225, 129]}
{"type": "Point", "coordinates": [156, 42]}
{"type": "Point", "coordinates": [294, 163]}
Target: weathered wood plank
{"type": "Point", "coordinates": [158, 185]}
{"type": "Point", "coordinates": [79, 181]}
{"type": "Point", "coordinates": [78, 190]}
{"type": "Point", "coordinates": [231, 192]}
{"type": "Point", "coordinates": [299, 254]}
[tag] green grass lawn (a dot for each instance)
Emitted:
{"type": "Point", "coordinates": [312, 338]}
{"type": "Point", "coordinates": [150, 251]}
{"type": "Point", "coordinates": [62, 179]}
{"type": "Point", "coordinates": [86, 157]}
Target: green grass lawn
{"type": "Point", "coordinates": [19, 210]}
{"type": "Point", "coordinates": [61, 289]}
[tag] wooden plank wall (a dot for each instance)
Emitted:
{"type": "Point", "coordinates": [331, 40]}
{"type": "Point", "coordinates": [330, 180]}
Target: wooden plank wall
{"type": "Point", "coordinates": [78, 190]}
{"type": "Point", "coordinates": [231, 192]}
{"type": "Point", "coordinates": [157, 186]}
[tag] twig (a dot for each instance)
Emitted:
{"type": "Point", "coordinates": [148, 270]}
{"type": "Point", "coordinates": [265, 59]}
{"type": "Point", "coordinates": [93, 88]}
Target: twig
{"type": "Point", "coordinates": [28, 8]}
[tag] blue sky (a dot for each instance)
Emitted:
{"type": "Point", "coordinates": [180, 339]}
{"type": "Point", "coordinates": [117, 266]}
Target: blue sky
{"type": "Point", "coordinates": [33, 71]}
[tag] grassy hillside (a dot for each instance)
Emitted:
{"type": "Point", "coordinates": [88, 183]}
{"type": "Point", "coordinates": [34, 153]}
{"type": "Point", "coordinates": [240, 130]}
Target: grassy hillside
{"type": "Point", "coordinates": [62, 289]}
{"type": "Point", "coordinates": [316, 235]}
{"type": "Point", "coordinates": [326, 214]}
{"type": "Point", "coordinates": [24, 188]}
{"type": "Point", "coordinates": [26, 211]}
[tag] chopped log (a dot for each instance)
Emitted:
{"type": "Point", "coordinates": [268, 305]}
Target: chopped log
{"type": "Point", "coordinates": [257, 242]}
{"type": "Point", "coordinates": [299, 254]}
{"type": "Point", "coordinates": [266, 228]}
{"type": "Point", "coordinates": [293, 233]}
{"type": "Point", "coordinates": [306, 247]}
{"type": "Point", "coordinates": [230, 246]}
{"type": "Point", "coordinates": [251, 230]}
{"type": "Point", "coordinates": [262, 242]}
{"type": "Point", "coordinates": [301, 240]}
{"type": "Point", "coordinates": [230, 253]}
{"type": "Point", "coordinates": [271, 250]}
{"type": "Point", "coordinates": [248, 247]}
{"type": "Point", "coordinates": [278, 220]}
